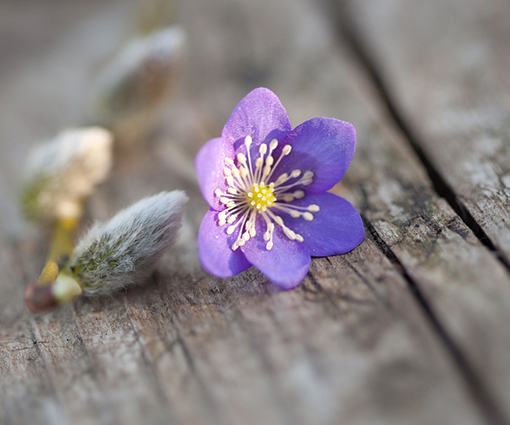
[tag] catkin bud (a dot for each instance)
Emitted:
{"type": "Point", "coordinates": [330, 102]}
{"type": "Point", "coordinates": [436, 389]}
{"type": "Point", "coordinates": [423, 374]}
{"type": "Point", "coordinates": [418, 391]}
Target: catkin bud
{"type": "Point", "coordinates": [132, 86]}
{"type": "Point", "coordinates": [124, 250]}
{"type": "Point", "coordinates": [62, 172]}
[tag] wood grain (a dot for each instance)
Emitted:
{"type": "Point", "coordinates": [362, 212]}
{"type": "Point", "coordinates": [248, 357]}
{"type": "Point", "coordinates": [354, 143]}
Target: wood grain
{"type": "Point", "coordinates": [446, 69]}
{"type": "Point", "coordinates": [353, 344]}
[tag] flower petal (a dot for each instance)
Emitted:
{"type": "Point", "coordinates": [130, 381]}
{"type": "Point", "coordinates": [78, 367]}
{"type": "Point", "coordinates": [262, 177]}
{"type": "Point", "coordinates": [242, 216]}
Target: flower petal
{"type": "Point", "coordinates": [209, 164]}
{"type": "Point", "coordinates": [336, 229]}
{"type": "Point", "coordinates": [322, 145]}
{"type": "Point", "coordinates": [285, 264]}
{"type": "Point", "coordinates": [260, 115]}
{"type": "Point", "coordinates": [214, 249]}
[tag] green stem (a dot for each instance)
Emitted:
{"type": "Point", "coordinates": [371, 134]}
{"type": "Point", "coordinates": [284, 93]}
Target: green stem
{"type": "Point", "coordinates": [61, 247]}
{"type": "Point", "coordinates": [41, 295]}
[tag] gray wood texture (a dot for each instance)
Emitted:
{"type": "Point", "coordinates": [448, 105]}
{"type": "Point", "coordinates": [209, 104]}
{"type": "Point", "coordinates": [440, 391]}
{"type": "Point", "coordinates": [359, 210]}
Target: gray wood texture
{"type": "Point", "coordinates": [409, 328]}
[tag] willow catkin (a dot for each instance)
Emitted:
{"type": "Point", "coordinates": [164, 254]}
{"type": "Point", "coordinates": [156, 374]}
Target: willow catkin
{"type": "Point", "coordinates": [124, 250]}
{"type": "Point", "coordinates": [62, 172]}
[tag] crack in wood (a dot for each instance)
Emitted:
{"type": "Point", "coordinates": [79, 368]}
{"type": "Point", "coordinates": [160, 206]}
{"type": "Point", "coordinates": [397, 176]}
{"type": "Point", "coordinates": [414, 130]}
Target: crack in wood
{"type": "Point", "coordinates": [480, 393]}
{"type": "Point", "coordinates": [346, 30]}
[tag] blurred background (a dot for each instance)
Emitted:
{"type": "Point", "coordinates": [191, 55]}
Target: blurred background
{"type": "Point", "coordinates": [411, 328]}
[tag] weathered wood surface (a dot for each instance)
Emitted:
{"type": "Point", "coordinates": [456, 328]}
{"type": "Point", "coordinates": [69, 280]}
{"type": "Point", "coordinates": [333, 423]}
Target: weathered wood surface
{"type": "Point", "coordinates": [406, 329]}
{"type": "Point", "coordinates": [449, 81]}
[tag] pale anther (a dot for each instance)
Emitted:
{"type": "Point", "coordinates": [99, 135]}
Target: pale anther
{"type": "Point", "coordinates": [249, 199]}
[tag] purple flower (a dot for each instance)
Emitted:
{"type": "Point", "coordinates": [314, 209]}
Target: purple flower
{"type": "Point", "coordinates": [266, 185]}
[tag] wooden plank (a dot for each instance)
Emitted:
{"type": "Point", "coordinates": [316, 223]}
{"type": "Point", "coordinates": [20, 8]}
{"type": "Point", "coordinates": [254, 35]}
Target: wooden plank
{"type": "Point", "coordinates": [210, 102]}
{"type": "Point", "coordinates": [446, 67]}
{"type": "Point", "coordinates": [351, 345]}
{"type": "Point", "coordinates": [422, 232]}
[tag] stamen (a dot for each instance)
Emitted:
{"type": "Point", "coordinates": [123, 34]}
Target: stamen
{"type": "Point", "coordinates": [249, 198]}
{"type": "Point", "coordinates": [241, 157]}
{"type": "Point", "coordinates": [282, 179]}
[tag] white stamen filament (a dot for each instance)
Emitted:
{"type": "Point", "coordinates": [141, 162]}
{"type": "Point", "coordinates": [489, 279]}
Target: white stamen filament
{"type": "Point", "coordinates": [248, 195]}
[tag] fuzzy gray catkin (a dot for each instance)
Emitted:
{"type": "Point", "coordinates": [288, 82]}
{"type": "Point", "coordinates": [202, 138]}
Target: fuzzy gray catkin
{"type": "Point", "coordinates": [132, 87]}
{"type": "Point", "coordinates": [124, 250]}
{"type": "Point", "coordinates": [62, 172]}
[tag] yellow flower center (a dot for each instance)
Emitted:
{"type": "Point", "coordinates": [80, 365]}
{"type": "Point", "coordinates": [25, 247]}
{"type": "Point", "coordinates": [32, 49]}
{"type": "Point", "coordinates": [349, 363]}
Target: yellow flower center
{"type": "Point", "coordinates": [261, 196]}
{"type": "Point", "coordinates": [248, 196]}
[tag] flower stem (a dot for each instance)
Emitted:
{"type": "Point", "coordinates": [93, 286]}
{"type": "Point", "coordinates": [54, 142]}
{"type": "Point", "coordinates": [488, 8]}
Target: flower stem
{"type": "Point", "coordinates": [61, 248]}
{"type": "Point", "coordinates": [40, 295]}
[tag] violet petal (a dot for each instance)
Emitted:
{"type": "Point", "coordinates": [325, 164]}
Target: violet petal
{"type": "Point", "coordinates": [260, 115]}
{"type": "Point", "coordinates": [209, 165]}
{"type": "Point", "coordinates": [336, 228]}
{"type": "Point", "coordinates": [324, 146]}
{"type": "Point", "coordinates": [214, 249]}
{"type": "Point", "coordinates": [285, 264]}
